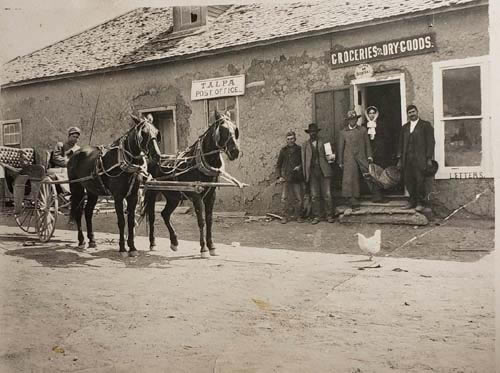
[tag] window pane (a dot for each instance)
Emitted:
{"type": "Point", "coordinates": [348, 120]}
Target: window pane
{"type": "Point", "coordinates": [223, 105]}
{"type": "Point", "coordinates": [462, 143]}
{"type": "Point", "coordinates": [462, 91]}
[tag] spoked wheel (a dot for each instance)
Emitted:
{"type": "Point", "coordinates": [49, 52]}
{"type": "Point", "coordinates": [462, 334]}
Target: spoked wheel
{"type": "Point", "coordinates": [26, 219]}
{"type": "Point", "coordinates": [46, 213]}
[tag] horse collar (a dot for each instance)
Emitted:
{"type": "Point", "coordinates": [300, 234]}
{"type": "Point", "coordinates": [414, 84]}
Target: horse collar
{"type": "Point", "coordinates": [201, 163]}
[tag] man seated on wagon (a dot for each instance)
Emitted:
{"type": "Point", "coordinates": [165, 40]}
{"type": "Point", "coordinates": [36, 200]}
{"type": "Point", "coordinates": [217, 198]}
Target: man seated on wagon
{"type": "Point", "coordinates": [60, 157]}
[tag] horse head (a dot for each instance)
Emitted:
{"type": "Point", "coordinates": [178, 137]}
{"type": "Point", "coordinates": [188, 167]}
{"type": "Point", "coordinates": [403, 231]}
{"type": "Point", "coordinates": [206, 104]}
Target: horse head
{"type": "Point", "coordinates": [226, 135]}
{"type": "Point", "coordinates": [146, 138]}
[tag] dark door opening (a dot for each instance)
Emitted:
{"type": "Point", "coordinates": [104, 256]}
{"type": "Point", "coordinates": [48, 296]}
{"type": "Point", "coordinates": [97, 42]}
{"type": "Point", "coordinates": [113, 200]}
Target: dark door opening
{"type": "Point", "coordinates": [165, 122]}
{"type": "Point", "coordinates": [387, 99]}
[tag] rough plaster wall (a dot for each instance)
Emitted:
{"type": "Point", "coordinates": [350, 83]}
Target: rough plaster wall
{"type": "Point", "coordinates": [290, 71]}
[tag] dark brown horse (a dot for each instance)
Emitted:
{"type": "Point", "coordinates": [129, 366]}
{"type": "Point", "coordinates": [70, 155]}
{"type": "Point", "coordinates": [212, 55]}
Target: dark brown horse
{"type": "Point", "coordinates": [200, 162]}
{"type": "Point", "coordinates": [116, 170]}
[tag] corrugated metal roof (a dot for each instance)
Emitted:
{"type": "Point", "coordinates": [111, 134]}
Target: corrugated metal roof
{"type": "Point", "coordinates": [142, 35]}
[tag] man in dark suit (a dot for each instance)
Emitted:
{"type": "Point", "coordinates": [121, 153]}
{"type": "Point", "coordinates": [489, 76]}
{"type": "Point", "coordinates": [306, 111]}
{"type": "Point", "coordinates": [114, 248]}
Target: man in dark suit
{"type": "Point", "coordinates": [316, 166]}
{"type": "Point", "coordinates": [416, 149]}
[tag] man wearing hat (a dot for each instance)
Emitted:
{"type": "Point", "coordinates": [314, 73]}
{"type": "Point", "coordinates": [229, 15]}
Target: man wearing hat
{"type": "Point", "coordinates": [416, 149]}
{"type": "Point", "coordinates": [60, 156]}
{"type": "Point", "coordinates": [318, 172]}
{"type": "Point", "coordinates": [354, 156]}
{"type": "Point", "coordinates": [62, 152]}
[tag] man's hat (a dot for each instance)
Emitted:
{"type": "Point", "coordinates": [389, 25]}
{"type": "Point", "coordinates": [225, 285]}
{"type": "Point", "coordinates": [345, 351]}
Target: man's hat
{"type": "Point", "coordinates": [351, 114]}
{"type": "Point", "coordinates": [313, 127]}
{"type": "Point", "coordinates": [430, 171]}
{"type": "Point", "coordinates": [73, 130]}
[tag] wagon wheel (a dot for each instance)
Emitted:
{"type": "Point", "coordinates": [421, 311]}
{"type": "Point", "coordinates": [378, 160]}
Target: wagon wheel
{"type": "Point", "coordinates": [26, 219]}
{"type": "Point", "coordinates": [46, 212]}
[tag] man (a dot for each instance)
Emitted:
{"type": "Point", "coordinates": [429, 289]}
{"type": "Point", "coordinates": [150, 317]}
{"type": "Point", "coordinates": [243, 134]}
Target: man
{"type": "Point", "coordinates": [61, 154]}
{"type": "Point", "coordinates": [317, 172]}
{"type": "Point", "coordinates": [416, 149]}
{"type": "Point", "coordinates": [289, 173]}
{"type": "Point", "coordinates": [355, 154]}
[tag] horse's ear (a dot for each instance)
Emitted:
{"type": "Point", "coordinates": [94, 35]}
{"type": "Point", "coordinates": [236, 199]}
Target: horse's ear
{"type": "Point", "coordinates": [216, 115]}
{"type": "Point", "coordinates": [136, 120]}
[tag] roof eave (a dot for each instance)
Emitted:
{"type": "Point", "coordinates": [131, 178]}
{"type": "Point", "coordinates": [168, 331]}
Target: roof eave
{"type": "Point", "coordinates": [262, 43]}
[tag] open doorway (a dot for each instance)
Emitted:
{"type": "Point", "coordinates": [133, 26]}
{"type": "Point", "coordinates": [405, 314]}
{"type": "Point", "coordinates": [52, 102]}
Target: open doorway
{"type": "Point", "coordinates": [386, 97]}
{"type": "Point", "coordinates": [164, 120]}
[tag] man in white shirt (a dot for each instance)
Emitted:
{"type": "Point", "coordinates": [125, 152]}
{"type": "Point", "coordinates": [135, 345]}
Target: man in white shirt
{"type": "Point", "coordinates": [416, 149]}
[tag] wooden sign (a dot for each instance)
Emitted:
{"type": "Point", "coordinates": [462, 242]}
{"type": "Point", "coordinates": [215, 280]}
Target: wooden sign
{"type": "Point", "coordinates": [218, 87]}
{"type": "Point", "coordinates": [384, 50]}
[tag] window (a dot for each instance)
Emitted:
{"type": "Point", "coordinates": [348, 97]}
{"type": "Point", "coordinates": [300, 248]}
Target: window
{"type": "Point", "coordinates": [11, 133]}
{"type": "Point", "coordinates": [462, 118]}
{"type": "Point", "coordinates": [226, 105]}
{"type": "Point", "coordinates": [188, 17]}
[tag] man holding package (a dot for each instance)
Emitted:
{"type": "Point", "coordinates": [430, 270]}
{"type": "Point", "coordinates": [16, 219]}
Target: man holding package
{"type": "Point", "coordinates": [60, 156]}
{"type": "Point", "coordinates": [317, 156]}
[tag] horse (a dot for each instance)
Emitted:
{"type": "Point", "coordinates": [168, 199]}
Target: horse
{"type": "Point", "coordinates": [117, 170]}
{"type": "Point", "coordinates": [199, 162]}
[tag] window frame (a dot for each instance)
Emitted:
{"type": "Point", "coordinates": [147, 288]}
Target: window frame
{"type": "Point", "coordinates": [485, 170]}
{"type": "Point", "coordinates": [4, 123]}
{"type": "Point", "coordinates": [177, 18]}
{"type": "Point", "coordinates": [236, 106]}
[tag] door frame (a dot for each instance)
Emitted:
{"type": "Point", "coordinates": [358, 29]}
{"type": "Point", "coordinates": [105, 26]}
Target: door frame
{"type": "Point", "coordinates": [381, 79]}
{"type": "Point", "coordinates": [164, 109]}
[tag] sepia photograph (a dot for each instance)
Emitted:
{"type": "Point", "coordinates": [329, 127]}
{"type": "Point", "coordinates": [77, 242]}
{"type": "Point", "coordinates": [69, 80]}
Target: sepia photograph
{"type": "Point", "coordinates": [249, 186]}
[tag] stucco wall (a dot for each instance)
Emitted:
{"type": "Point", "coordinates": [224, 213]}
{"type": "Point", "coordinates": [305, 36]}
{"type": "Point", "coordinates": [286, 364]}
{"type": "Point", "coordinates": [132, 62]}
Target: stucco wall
{"type": "Point", "coordinates": [291, 71]}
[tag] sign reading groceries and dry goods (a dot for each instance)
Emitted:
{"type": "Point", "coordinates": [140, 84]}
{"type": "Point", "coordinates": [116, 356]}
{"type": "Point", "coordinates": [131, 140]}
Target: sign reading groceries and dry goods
{"type": "Point", "coordinates": [384, 50]}
{"type": "Point", "coordinates": [218, 87]}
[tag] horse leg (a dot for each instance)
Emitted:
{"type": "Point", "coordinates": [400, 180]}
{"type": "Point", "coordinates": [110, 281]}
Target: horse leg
{"type": "Point", "coordinates": [131, 205]}
{"type": "Point", "coordinates": [77, 200]}
{"type": "Point", "coordinates": [150, 202]}
{"type": "Point", "coordinates": [209, 209]}
{"type": "Point", "coordinates": [89, 211]}
{"type": "Point", "coordinates": [199, 207]}
{"type": "Point", "coordinates": [170, 206]}
{"type": "Point", "coordinates": [121, 225]}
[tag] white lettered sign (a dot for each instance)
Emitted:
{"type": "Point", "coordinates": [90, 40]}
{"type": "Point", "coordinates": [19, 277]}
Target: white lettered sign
{"type": "Point", "coordinates": [218, 87]}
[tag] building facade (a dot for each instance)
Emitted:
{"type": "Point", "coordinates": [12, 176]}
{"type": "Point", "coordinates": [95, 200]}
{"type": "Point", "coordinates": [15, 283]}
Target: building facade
{"type": "Point", "coordinates": [436, 58]}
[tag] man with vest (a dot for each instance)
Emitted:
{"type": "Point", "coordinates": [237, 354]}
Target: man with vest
{"type": "Point", "coordinates": [416, 149]}
{"type": "Point", "coordinates": [318, 173]}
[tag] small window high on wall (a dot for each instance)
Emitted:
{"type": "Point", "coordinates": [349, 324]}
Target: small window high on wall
{"type": "Point", "coordinates": [188, 17]}
{"type": "Point", "coordinates": [462, 118]}
{"type": "Point", "coordinates": [11, 133]}
{"type": "Point", "coordinates": [226, 105]}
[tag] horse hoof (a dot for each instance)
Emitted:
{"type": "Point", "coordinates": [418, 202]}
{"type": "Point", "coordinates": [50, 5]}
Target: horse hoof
{"type": "Point", "coordinates": [124, 254]}
{"type": "Point", "coordinates": [204, 255]}
{"type": "Point", "coordinates": [173, 247]}
{"type": "Point", "coordinates": [133, 253]}
{"type": "Point", "coordinates": [81, 245]}
{"type": "Point", "coordinates": [92, 245]}
{"type": "Point", "coordinates": [152, 248]}
{"type": "Point", "coordinates": [213, 253]}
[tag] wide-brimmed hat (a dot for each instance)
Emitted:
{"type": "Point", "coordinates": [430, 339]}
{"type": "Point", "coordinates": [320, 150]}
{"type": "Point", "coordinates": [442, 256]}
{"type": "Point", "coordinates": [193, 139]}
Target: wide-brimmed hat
{"type": "Point", "coordinates": [351, 114]}
{"type": "Point", "coordinates": [312, 127]}
{"type": "Point", "coordinates": [73, 130]}
{"type": "Point", "coordinates": [430, 171]}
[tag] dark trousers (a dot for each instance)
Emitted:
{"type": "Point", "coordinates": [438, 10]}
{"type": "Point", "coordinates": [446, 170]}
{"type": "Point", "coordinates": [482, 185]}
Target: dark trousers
{"type": "Point", "coordinates": [296, 202]}
{"type": "Point", "coordinates": [320, 187]}
{"type": "Point", "coordinates": [414, 182]}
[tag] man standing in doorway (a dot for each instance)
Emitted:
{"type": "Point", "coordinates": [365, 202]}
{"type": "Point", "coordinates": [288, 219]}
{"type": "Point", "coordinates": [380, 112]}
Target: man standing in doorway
{"type": "Point", "coordinates": [290, 175]}
{"type": "Point", "coordinates": [416, 149]}
{"type": "Point", "coordinates": [318, 173]}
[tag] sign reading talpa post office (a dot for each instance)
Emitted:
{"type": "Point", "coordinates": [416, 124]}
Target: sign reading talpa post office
{"type": "Point", "coordinates": [384, 50]}
{"type": "Point", "coordinates": [218, 87]}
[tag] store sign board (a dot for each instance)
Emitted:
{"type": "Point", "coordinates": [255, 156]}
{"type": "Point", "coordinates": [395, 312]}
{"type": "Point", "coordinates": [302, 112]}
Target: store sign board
{"type": "Point", "coordinates": [384, 50]}
{"type": "Point", "coordinates": [218, 87]}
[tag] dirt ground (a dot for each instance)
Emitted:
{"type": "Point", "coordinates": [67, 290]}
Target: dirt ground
{"type": "Point", "coordinates": [279, 298]}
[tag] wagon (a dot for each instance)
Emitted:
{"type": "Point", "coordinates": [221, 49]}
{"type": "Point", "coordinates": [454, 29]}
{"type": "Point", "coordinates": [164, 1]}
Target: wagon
{"type": "Point", "coordinates": [26, 184]}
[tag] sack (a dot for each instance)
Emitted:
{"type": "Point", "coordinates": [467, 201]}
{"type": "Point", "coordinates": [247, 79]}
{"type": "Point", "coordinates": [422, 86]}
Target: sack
{"type": "Point", "coordinates": [385, 179]}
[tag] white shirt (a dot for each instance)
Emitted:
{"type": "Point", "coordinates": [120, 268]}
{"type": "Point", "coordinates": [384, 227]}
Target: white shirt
{"type": "Point", "coordinates": [412, 125]}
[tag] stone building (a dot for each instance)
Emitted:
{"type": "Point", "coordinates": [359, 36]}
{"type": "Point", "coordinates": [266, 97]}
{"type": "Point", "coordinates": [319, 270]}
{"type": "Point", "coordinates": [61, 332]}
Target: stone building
{"type": "Point", "coordinates": [274, 67]}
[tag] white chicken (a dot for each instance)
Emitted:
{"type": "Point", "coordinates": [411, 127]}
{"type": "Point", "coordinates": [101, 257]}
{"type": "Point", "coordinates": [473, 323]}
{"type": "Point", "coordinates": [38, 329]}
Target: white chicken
{"type": "Point", "coordinates": [370, 245]}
